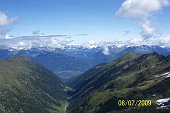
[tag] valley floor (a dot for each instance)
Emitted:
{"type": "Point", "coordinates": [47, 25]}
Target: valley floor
{"type": "Point", "coordinates": [60, 109]}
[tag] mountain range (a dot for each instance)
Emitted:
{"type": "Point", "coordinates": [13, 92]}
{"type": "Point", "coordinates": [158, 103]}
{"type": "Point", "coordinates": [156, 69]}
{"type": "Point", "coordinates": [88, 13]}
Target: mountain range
{"type": "Point", "coordinates": [70, 61]}
{"type": "Point", "coordinates": [29, 87]}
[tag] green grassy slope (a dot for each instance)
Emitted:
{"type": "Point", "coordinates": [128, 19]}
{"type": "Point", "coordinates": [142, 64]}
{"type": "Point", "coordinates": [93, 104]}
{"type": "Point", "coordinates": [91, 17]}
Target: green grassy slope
{"type": "Point", "coordinates": [27, 87]}
{"type": "Point", "coordinates": [130, 77]}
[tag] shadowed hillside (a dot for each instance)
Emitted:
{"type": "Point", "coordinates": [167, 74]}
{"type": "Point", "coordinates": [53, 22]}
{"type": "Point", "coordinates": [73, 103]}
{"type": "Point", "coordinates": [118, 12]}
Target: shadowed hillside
{"type": "Point", "coordinates": [27, 87]}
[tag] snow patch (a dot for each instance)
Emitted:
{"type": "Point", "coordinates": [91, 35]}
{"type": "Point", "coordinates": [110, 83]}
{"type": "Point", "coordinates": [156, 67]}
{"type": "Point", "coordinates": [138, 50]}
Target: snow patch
{"type": "Point", "coordinates": [163, 101]}
{"type": "Point", "coordinates": [162, 108]}
{"type": "Point", "coordinates": [166, 75]}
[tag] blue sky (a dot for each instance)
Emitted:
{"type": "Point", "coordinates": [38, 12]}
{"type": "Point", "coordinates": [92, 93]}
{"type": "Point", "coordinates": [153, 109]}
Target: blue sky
{"type": "Point", "coordinates": [96, 18]}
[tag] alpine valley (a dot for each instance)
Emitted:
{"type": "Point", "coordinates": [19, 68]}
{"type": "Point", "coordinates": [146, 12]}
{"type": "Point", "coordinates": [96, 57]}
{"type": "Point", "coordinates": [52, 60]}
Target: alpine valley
{"type": "Point", "coordinates": [83, 79]}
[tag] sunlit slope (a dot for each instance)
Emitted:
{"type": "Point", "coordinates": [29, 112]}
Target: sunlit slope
{"type": "Point", "coordinates": [130, 77]}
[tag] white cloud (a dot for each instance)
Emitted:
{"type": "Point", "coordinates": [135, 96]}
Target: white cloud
{"type": "Point", "coordinates": [4, 28]}
{"type": "Point", "coordinates": [143, 10]}
{"type": "Point", "coordinates": [37, 32]}
{"type": "Point", "coordinates": [8, 36]}
{"type": "Point", "coordinates": [4, 33]}
{"type": "Point", "coordinates": [106, 51]}
{"type": "Point", "coordinates": [27, 42]}
{"type": "Point", "coordinates": [148, 29]}
{"type": "Point", "coordinates": [5, 20]}
{"type": "Point", "coordinates": [162, 41]}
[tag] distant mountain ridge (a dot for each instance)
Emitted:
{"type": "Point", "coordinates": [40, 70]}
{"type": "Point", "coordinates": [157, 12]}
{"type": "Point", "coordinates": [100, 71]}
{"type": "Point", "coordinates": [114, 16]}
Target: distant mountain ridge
{"type": "Point", "coordinates": [70, 61]}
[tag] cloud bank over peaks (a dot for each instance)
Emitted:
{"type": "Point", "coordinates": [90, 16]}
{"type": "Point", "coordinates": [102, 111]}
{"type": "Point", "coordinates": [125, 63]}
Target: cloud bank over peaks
{"type": "Point", "coordinates": [143, 10]}
{"type": "Point", "coordinates": [28, 42]}
{"type": "Point", "coordinates": [54, 41]}
{"type": "Point", "coordinates": [162, 41]}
